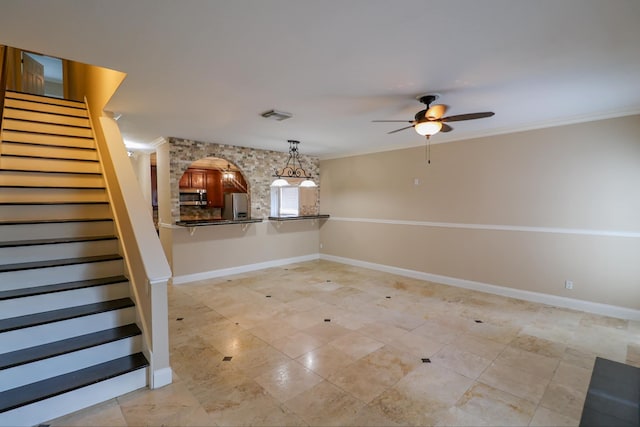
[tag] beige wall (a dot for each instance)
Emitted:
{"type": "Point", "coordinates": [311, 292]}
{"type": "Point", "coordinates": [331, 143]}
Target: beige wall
{"type": "Point", "coordinates": [141, 163]}
{"type": "Point", "coordinates": [525, 210]}
{"type": "Point", "coordinates": [221, 247]}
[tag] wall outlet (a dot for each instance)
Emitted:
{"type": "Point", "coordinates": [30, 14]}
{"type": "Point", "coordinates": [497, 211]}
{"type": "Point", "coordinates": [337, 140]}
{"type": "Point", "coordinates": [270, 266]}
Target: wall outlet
{"type": "Point", "coordinates": [568, 284]}
{"type": "Point", "coordinates": [320, 245]}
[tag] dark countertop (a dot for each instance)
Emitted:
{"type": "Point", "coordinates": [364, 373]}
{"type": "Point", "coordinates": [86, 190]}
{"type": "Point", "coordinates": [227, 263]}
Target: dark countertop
{"type": "Point", "coordinates": [296, 218]}
{"type": "Point", "coordinates": [203, 222]}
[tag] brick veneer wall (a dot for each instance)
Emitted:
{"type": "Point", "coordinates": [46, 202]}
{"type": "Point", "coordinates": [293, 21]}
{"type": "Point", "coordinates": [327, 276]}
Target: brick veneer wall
{"type": "Point", "coordinates": [257, 167]}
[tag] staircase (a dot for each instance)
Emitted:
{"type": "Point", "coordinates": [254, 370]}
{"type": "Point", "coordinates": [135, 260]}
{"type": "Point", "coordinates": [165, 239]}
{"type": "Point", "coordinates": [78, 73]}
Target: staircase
{"type": "Point", "coordinates": [68, 333]}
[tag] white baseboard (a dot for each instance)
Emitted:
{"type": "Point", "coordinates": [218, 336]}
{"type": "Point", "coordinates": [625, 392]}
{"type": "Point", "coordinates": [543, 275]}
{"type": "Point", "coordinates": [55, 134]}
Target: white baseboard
{"type": "Point", "coordinates": [161, 377]}
{"type": "Point", "coordinates": [554, 300]}
{"type": "Point", "coordinates": [212, 274]}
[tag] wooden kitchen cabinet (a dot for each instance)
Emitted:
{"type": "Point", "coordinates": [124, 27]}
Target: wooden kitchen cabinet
{"type": "Point", "coordinates": [185, 181]}
{"type": "Point", "coordinates": [215, 195]}
{"type": "Point", "coordinates": [154, 186]}
{"type": "Point", "coordinates": [198, 179]}
{"type": "Point", "coordinates": [211, 180]}
{"type": "Point", "coordinates": [193, 178]}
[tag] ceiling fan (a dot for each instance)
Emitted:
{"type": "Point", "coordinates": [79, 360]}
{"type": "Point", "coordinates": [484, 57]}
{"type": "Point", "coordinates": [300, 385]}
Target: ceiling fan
{"type": "Point", "coordinates": [429, 121]}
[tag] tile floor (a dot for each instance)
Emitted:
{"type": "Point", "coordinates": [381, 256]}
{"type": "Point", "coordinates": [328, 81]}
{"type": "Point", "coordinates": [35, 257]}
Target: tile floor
{"type": "Point", "coordinates": [326, 344]}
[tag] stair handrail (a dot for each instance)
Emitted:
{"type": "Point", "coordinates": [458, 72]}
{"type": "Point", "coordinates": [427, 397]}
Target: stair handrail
{"type": "Point", "coordinates": [3, 79]}
{"type": "Point", "coordinates": [147, 266]}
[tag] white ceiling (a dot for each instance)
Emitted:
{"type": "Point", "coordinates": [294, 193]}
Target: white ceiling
{"type": "Point", "coordinates": [205, 70]}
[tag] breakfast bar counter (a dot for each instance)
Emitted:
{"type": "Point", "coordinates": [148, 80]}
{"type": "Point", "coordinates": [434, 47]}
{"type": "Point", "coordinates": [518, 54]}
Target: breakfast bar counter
{"type": "Point", "coordinates": [206, 222]}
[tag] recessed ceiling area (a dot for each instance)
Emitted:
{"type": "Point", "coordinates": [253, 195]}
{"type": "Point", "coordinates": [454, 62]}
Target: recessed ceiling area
{"type": "Point", "coordinates": [208, 70]}
{"type": "Point", "coordinates": [215, 163]}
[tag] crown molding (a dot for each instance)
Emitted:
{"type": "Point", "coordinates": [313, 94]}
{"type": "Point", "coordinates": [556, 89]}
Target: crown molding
{"type": "Point", "coordinates": [442, 139]}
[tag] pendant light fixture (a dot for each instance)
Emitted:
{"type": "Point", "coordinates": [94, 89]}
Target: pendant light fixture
{"type": "Point", "coordinates": [292, 169]}
{"type": "Point", "coordinates": [227, 174]}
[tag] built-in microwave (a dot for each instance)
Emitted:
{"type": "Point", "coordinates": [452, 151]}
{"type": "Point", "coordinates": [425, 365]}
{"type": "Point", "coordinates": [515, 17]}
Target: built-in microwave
{"type": "Point", "coordinates": [193, 197]}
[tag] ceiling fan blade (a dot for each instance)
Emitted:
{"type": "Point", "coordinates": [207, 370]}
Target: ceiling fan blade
{"type": "Point", "coordinates": [435, 112]}
{"type": "Point", "coordinates": [470, 116]}
{"type": "Point", "coordinates": [446, 128]}
{"type": "Point", "coordinates": [392, 121]}
{"type": "Point", "coordinates": [398, 130]}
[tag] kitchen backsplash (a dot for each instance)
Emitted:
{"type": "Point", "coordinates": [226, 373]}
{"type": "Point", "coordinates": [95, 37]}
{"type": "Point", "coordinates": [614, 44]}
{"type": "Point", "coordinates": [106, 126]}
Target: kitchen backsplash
{"type": "Point", "coordinates": [196, 212]}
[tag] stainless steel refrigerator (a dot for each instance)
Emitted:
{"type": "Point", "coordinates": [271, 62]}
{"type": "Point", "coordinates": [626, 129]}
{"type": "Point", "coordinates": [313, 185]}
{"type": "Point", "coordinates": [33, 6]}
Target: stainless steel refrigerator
{"type": "Point", "coordinates": [236, 206]}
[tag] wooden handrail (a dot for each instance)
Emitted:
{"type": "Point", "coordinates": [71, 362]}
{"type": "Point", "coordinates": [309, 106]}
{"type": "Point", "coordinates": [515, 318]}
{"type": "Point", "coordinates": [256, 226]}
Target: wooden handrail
{"type": "Point", "coordinates": [3, 79]}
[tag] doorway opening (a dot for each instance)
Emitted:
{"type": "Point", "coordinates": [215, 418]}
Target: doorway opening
{"type": "Point", "coordinates": [42, 75]}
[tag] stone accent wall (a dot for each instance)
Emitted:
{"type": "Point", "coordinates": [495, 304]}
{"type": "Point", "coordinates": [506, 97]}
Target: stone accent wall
{"type": "Point", "coordinates": [257, 166]}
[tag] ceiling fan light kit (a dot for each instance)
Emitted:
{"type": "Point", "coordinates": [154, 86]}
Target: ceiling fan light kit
{"type": "Point", "coordinates": [430, 121]}
{"type": "Point", "coordinates": [428, 128]}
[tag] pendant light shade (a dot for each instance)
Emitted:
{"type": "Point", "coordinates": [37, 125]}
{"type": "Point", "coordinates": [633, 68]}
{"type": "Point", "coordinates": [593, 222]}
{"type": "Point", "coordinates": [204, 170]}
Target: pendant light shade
{"type": "Point", "coordinates": [280, 182]}
{"type": "Point", "coordinates": [428, 127]}
{"type": "Point", "coordinates": [308, 183]}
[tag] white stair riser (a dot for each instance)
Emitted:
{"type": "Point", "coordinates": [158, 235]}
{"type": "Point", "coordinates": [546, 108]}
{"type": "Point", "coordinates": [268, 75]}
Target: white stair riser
{"type": "Point", "coordinates": [63, 404]}
{"type": "Point", "coordinates": [46, 108]}
{"type": "Point", "coordinates": [15, 232]}
{"type": "Point", "coordinates": [36, 138]}
{"type": "Point", "coordinates": [41, 116]}
{"type": "Point", "coordinates": [63, 364]}
{"type": "Point", "coordinates": [68, 273]}
{"type": "Point", "coordinates": [50, 165]}
{"type": "Point", "coordinates": [55, 179]}
{"type": "Point", "coordinates": [16, 254]}
{"type": "Point", "coordinates": [56, 331]}
{"type": "Point", "coordinates": [45, 128]}
{"type": "Point", "coordinates": [58, 300]}
{"type": "Point", "coordinates": [52, 195]}
{"type": "Point", "coordinates": [46, 212]}
{"type": "Point", "coordinates": [48, 151]}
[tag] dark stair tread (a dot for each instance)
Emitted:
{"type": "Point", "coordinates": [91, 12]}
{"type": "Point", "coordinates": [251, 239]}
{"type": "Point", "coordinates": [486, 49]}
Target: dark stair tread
{"type": "Point", "coordinates": [54, 187]}
{"type": "Point", "coordinates": [55, 386]}
{"type": "Point", "coordinates": [55, 241]}
{"type": "Point", "coordinates": [49, 172]}
{"type": "Point", "coordinates": [58, 262]}
{"type": "Point", "coordinates": [7, 169]}
{"type": "Point", "coordinates": [31, 156]}
{"type": "Point", "coordinates": [37, 319]}
{"type": "Point", "coordinates": [49, 134]}
{"type": "Point", "coordinates": [54, 146]}
{"type": "Point", "coordinates": [50, 203]}
{"type": "Point", "coordinates": [52, 221]}
{"type": "Point", "coordinates": [70, 345]}
{"type": "Point", "coordinates": [44, 99]}
{"type": "Point", "coordinates": [60, 287]}
{"type": "Point", "coordinates": [52, 113]}
{"type": "Point", "coordinates": [7, 125]}
{"type": "Point", "coordinates": [36, 173]}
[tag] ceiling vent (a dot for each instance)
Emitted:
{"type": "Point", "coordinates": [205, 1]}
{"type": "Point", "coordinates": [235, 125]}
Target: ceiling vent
{"type": "Point", "coordinates": [276, 115]}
